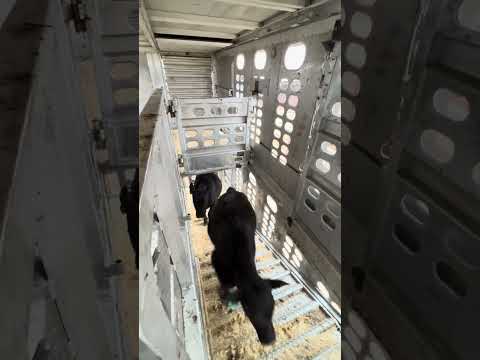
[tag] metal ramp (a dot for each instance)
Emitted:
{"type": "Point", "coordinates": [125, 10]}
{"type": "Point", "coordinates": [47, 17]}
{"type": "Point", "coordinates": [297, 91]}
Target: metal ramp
{"type": "Point", "coordinates": [319, 340]}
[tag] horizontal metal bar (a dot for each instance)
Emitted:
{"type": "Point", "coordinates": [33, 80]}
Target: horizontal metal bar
{"type": "Point", "coordinates": [325, 352]}
{"type": "Point", "coordinates": [261, 265]}
{"type": "Point", "coordinates": [282, 347]}
{"type": "Point", "coordinates": [181, 18]}
{"type": "Point", "coordinates": [293, 305]}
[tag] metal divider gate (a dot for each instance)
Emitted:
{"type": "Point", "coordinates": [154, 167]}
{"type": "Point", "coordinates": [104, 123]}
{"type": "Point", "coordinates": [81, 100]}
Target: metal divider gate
{"type": "Point", "coordinates": [214, 133]}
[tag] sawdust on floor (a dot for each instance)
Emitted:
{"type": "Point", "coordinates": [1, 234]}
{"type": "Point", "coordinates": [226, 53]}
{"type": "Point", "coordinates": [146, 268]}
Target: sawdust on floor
{"type": "Point", "coordinates": [230, 333]}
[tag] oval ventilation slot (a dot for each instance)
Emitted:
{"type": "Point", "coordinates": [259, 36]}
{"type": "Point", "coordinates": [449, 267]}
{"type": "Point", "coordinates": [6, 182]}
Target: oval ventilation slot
{"type": "Point", "coordinates": [310, 205]}
{"type": "Point", "coordinates": [232, 110]}
{"type": "Point", "coordinates": [415, 209]}
{"type": "Point", "coordinates": [199, 111]}
{"type": "Point", "coordinates": [406, 238]}
{"type": "Point", "coordinates": [451, 279]}
{"type": "Point", "coordinates": [327, 220]}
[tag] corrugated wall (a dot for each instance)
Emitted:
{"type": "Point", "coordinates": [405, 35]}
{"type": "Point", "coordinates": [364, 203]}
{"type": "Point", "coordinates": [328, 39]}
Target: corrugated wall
{"type": "Point", "coordinates": [188, 77]}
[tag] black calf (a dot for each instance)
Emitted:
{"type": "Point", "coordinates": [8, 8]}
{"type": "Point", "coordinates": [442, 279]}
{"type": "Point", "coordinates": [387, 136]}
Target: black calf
{"type": "Point", "coordinates": [232, 230]}
{"type": "Point", "coordinates": [205, 192]}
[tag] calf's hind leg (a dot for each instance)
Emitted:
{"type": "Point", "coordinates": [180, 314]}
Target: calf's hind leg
{"type": "Point", "coordinates": [224, 274]}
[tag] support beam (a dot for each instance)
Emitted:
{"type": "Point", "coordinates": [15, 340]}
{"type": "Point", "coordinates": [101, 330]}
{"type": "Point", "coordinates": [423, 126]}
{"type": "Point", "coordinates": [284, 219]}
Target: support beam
{"type": "Point", "coordinates": [180, 18]}
{"type": "Point", "coordinates": [264, 4]}
{"type": "Point", "coordinates": [145, 26]}
{"type": "Point", "coordinates": [211, 44]}
{"type": "Point", "coordinates": [165, 30]}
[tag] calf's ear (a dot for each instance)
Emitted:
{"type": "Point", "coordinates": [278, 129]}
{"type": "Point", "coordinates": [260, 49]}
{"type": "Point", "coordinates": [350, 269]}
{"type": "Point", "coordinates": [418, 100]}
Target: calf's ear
{"type": "Point", "coordinates": [276, 283]}
{"type": "Point", "coordinates": [191, 188]}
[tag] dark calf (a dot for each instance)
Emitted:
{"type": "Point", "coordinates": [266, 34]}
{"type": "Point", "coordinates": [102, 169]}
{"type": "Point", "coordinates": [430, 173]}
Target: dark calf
{"type": "Point", "coordinates": [129, 198]}
{"type": "Point", "coordinates": [232, 230]}
{"type": "Point", "coordinates": [205, 192]}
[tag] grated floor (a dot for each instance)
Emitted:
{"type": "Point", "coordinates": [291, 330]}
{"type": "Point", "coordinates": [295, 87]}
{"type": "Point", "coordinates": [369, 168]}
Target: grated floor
{"type": "Point", "coordinates": [303, 329]}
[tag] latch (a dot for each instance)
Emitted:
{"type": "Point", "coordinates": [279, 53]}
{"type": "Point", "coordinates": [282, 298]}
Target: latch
{"type": "Point", "coordinates": [180, 160]}
{"type": "Point", "coordinates": [79, 15]}
{"type": "Point", "coordinates": [98, 134]}
{"type": "Point", "coordinates": [171, 109]}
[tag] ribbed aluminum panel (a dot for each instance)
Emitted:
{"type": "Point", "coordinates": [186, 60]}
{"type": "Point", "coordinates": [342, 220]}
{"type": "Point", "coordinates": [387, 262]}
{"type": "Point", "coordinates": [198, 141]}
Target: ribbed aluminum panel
{"type": "Point", "coordinates": [188, 77]}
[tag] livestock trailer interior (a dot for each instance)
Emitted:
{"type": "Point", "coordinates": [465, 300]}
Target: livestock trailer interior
{"type": "Point", "coordinates": [259, 106]}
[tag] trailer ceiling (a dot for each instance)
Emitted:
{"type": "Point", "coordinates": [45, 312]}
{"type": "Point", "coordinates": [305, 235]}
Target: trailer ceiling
{"type": "Point", "coordinates": [205, 26]}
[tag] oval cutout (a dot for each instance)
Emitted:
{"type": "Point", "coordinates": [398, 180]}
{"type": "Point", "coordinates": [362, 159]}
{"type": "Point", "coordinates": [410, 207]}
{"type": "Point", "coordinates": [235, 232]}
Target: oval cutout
{"type": "Point", "coordinates": [198, 111]}
{"type": "Point", "coordinates": [451, 105]}
{"type": "Point", "coordinates": [191, 133]}
{"type": "Point", "coordinates": [437, 146]}
{"type": "Point", "coordinates": [240, 61]}
{"type": "Point", "coordinates": [282, 159]}
{"type": "Point", "coordinates": [207, 133]}
{"type": "Point", "coordinates": [296, 85]}
{"type": "Point", "coordinates": [260, 59]}
{"type": "Point", "coordinates": [328, 222]}
{"type": "Point", "coordinates": [272, 204]}
{"type": "Point", "coordinates": [284, 150]}
{"type": "Point", "coordinates": [323, 290]}
{"type": "Point", "coordinates": [239, 139]}
{"type": "Point", "coordinates": [295, 56]}
{"type": "Point", "coordinates": [351, 83]}
{"type": "Point", "coordinates": [286, 139]}
{"type": "Point", "coordinates": [310, 205]}
{"type": "Point", "coordinates": [278, 122]}
{"type": "Point", "coordinates": [415, 209]}
{"type": "Point", "coordinates": [349, 110]}
{"type": "Point", "coordinates": [293, 100]}
{"type": "Point", "coordinates": [216, 110]}
{"type": "Point", "coordinates": [277, 133]}
{"type": "Point", "coordinates": [361, 25]}
{"type": "Point", "coordinates": [356, 55]}
{"type": "Point", "coordinates": [357, 324]}
{"type": "Point", "coordinates": [232, 110]}
{"type": "Point", "coordinates": [281, 98]}
{"type": "Point", "coordinates": [223, 141]}
{"type": "Point", "coordinates": [291, 114]}
{"type": "Point", "coordinates": [322, 165]}
{"type": "Point", "coordinates": [406, 238]}
{"type": "Point", "coordinates": [192, 144]}
{"type": "Point", "coordinates": [353, 339]}
{"type": "Point", "coordinates": [451, 279]}
{"type": "Point", "coordinates": [283, 84]}
{"type": "Point", "coordinates": [289, 127]}
{"type": "Point", "coordinates": [328, 148]}
{"type": "Point", "coordinates": [280, 110]}
{"type": "Point", "coordinates": [208, 143]}
{"type": "Point", "coordinates": [313, 192]}
{"type": "Point", "coordinates": [275, 143]}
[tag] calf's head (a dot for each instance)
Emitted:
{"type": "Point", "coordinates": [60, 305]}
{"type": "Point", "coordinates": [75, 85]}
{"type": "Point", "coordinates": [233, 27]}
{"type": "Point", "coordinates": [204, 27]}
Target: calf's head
{"type": "Point", "coordinates": [257, 302]}
{"type": "Point", "coordinates": [200, 196]}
